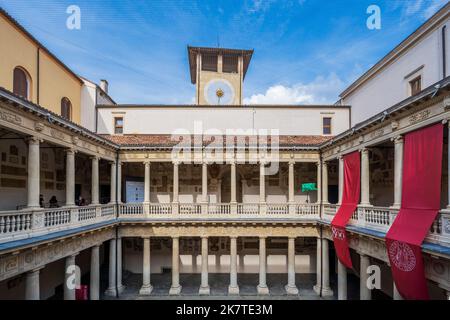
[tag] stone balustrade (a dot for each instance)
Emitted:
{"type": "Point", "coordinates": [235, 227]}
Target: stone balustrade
{"type": "Point", "coordinates": [219, 210]}
{"type": "Point", "coordinates": [381, 219]}
{"type": "Point", "coordinates": [22, 224]}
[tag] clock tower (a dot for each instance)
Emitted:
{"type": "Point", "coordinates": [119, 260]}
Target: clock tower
{"type": "Point", "coordinates": [218, 74]}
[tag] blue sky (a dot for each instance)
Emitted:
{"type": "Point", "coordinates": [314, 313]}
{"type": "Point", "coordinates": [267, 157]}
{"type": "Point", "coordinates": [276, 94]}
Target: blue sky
{"type": "Point", "coordinates": [306, 51]}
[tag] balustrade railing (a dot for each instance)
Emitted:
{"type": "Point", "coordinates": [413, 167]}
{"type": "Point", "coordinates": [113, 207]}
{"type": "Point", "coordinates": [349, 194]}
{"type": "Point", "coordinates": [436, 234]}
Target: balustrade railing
{"type": "Point", "coordinates": [26, 223]}
{"type": "Point", "coordinates": [32, 222]}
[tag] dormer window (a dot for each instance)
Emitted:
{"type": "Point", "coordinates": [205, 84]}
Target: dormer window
{"type": "Point", "coordinates": [415, 85]}
{"type": "Point", "coordinates": [230, 64]}
{"type": "Point", "coordinates": [209, 62]}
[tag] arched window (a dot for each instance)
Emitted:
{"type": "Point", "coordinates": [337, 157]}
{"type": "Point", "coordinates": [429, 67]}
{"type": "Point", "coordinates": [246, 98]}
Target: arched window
{"type": "Point", "coordinates": [66, 108]}
{"type": "Point", "coordinates": [22, 83]}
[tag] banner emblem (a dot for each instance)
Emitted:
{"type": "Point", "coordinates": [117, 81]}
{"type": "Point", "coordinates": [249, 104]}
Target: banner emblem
{"type": "Point", "coordinates": [402, 256]}
{"type": "Point", "coordinates": [338, 233]}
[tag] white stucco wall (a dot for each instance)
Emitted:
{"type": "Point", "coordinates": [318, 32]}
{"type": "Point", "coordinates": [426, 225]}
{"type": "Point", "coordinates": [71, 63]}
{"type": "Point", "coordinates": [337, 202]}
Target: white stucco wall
{"type": "Point", "coordinates": [390, 86]}
{"type": "Point", "coordinates": [88, 105]}
{"type": "Point", "coordinates": [166, 120]}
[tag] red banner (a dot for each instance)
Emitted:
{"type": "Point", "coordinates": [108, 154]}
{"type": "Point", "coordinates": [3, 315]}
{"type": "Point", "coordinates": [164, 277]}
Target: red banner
{"type": "Point", "coordinates": [421, 195]}
{"type": "Point", "coordinates": [350, 199]}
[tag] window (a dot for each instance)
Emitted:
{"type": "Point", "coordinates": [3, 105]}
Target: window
{"type": "Point", "coordinates": [326, 125]}
{"type": "Point", "coordinates": [230, 64]}
{"type": "Point", "coordinates": [66, 108]}
{"type": "Point", "coordinates": [415, 85]}
{"type": "Point", "coordinates": [21, 83]}
{"type": "Point", "coordinates": [118, 125]}
{"type": "Point", "coordinates": [209, 62]}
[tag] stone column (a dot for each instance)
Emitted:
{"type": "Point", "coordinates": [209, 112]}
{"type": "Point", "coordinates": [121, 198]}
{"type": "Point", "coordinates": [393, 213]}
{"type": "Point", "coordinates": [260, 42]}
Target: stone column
{"type": "Point", "coordinates": [365, 178]}
{"type": "Point", "coordinates": [70, 177]}
{"type": "Point", "coordinates": [233, 182]}
{"type": "Point", "coordinates": [147, 182]}
{"type": "Point", "coordinates": [323, 269]}
{"type": "Point", "coordinates": [33, 181]}
{"type": "Point", "coordinates": [364, 292]}
{"type": "Point", "coordinates": [69, 287]}
{"type": "Point", "coordinates": [175, 289]}
{"type": "Point", "coordinates": [319, 182]}
{"type": "Point", "coordinates": [95, 181]}
{"type": "Point", "coordinates": [175, 183]}
{"type": "Point", "coordinates": [325, 182]}
{"type": "Point", "coordinates": [342, 281]}
{"type": "Point", "coordinates": [262, 183]}
{"type": "Point", "coordinates": [146, 288]}
{"type": "Point", "coordinates": [291, 182]}
{"type": "Point", "coordinates": [396, 295]}
{"type": "Point", "coordinates": [204, 182]}
{"type": "Point", "coordinates": [120, 286]}
{"type": "Point", "coordinates": [291, 288]}
{"type": "Point", "coordinates": [233, 288]}
{"type": "Point", "coordinates": [326, 289]}
{"type": "Point", "coordinates": [204, 287]}
{"type": "Point", "coordinates": [111, 291]}
{"type": "Point", "coordinates": [318, 286]}
{"type": "Point", "coordinates": [398, 171]}
{"type": "Point", "coordinates": [94, 288]}
{"type": "Point", "coordinates": [32, 290]}
{"type": "Point", "coordinates": [341, 179]}
{"type": "Point", "coordinates": [119, 182]}
{"type": "Point", "coordinates": [113, 185]}
{"type": "Point", "coordinates": [262, 287]}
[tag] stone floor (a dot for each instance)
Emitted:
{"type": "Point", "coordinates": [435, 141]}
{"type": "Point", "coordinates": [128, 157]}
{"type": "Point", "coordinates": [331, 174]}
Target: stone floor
{"type": "Point", "coordinates": [219, 286]}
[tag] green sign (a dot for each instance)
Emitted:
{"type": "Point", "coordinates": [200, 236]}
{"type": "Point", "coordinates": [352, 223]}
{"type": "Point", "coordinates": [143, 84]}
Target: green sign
{"type": "Point", "coordinates": [309, 187]}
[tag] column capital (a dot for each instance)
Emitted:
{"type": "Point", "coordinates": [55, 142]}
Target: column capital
{"type": "Point", "coordinates": [364, 150]}
{"type": "Point", "coordinates": [176, 162]}
{"type": "Point", "coordinates": [94, 158]}
{"type": "Point", "coordinates": [292, 162]}
{"type": "Point", "coordinates": [33, 140]}
{"type": "Point", "coordinates": [147, 162]}
{"type": "Point", "coordinates": [233, 237]}
{"type": "Point", "coordinates": [397, 139]}
{"type": "Point", "coordinates": [262, 237]}
{"type": "Point", "coordinates": [204, 237]}
{"type": "Point", "coordinates": [71, 151]}
{"type": "Point", "coordinates": [292, 237]}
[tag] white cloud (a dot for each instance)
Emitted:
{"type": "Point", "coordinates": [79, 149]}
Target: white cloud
{"type": "Point", "coordinates": [323, 90]}
{"type": "Point", "coordinates": [433, 8]}
{"type": "Point", "coordinates": [425, 8]}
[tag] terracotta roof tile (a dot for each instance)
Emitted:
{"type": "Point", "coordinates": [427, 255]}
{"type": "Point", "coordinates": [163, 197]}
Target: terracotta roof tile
{"type": "Point", "coordinates": [153, 140]}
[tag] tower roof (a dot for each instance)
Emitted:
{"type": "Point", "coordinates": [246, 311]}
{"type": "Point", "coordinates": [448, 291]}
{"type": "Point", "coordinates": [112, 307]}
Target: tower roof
{"type": "Point", "coordinates": [192, 52]}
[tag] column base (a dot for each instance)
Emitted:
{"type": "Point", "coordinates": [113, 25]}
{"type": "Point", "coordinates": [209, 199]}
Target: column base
{"type": "Point", "coordinates": [326, 292]}
{"type": "Point", "coordinates": [365, 205]}
{"type": "Point", "coordinates": [175, 291]}
{"type": "Point", "coordinates": [120, 289]}
{"type": "Point", "coordinates": [262, 290]}
{"type": "Point", "coordinates": [204, 291]}
{"type": "Point", "coordinates": [291, 290]}
{"type": "Point", "coordinates": [111, 292]}
{"type": "Point", "coordinates": [233, 291]}
{"type": "Point", "coordinates": [146, 290]}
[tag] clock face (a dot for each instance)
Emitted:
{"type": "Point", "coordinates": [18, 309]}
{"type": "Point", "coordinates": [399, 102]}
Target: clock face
{"type": "Point", "coordinates": [220, 92]}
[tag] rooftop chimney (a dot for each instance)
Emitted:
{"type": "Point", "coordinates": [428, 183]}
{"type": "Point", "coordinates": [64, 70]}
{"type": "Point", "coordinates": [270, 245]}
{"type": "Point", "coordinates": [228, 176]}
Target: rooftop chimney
{"type": "Point", "coordinates": [104, 85]}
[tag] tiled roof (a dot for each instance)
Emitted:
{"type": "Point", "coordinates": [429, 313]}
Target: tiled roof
{"type": "Point", "coordinates": [164, 141]}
